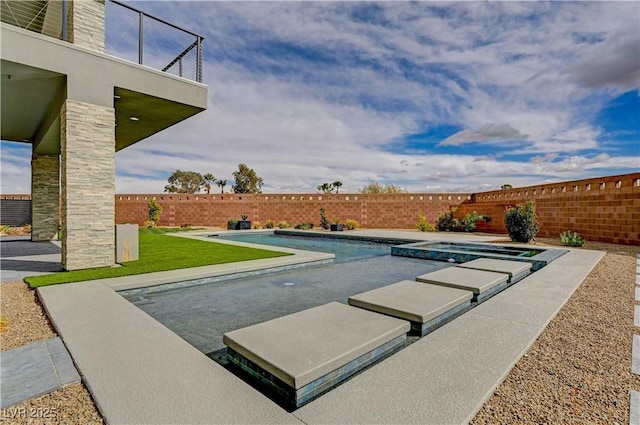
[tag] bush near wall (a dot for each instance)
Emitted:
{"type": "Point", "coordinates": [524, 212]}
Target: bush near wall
{"type": "Point", "coordinates": [603, 209]}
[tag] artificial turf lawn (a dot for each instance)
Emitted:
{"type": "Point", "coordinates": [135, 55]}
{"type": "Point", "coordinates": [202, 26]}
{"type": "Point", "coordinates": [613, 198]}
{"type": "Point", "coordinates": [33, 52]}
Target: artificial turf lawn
{"type": "Point", "coordinates": [159, 252]}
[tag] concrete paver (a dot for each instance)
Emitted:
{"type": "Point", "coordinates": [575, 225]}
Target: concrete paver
{"type": "Point", "coordinates": [512, 268]}
{"type": "Point", "coordinates": [634, 411]}
{"type": "Point", "coordinates": [478, 281]}
{"type": "Point", "coordinates": [34, 370]}
{"type": "Point", "coordinates": [21, 258]}
{"type": "Point", "coordinates": [413, 301]}
{"type": "Point", "coordinates": [304, 346]}
{"type": "Point", "coordinates": [635, 355]}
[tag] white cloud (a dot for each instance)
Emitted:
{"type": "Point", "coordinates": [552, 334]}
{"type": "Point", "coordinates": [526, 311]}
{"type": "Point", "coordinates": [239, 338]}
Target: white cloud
{"type": "Point", "coordinates": [493, 133]}
{"type": "Point", "coordinates": [360, 76]}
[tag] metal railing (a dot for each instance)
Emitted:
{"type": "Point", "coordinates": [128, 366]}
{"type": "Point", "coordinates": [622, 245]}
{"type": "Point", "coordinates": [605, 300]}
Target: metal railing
{"type": "Point", "coordinates": [41, 16]}
{"type": "Point", "coordinates": [158, 43]}
{"type": "Point", "coordinates": [129, 33]}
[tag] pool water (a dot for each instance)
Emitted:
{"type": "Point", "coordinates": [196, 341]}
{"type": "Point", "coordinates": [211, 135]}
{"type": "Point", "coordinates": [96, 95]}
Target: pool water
{"type": "Point", "coordinates": [502, 250]}
{"type": "Point", "coordinates": [202, 314]}
{"type": "Point", "coordinates": [344, 249]}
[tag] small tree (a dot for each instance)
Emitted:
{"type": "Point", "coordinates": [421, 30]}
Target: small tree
{"type": "Point", "coordinates": [246, 180]}
{"type": "Point", "coordinates": [521, 222]}
{"type": "Point", "coordinates": [184, 182]}
{"type": "Point", "coordinates": [153, 215]}
{"type": "Point", "coordinates": [208, 180]}
{"type": "Point", "coordinates": [380, 188]}
{"type": "Point", "coordinates": [324, 221]}
{"type": "Point", "coordinates": [325, 188]}
{"type": "Point", "coordinates": [337, 185]}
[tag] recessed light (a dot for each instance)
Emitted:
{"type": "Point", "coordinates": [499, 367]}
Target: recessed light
{"type": "Point", "coordinates": [132, 118]}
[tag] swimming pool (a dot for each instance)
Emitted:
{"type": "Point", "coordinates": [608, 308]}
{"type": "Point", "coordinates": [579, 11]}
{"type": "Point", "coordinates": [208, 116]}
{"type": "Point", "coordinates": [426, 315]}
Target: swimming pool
{"type": "Point", "coordinates": [463, 252]}
{"type": "Point", "coordinates": [202, 314]}
{"type": "Point", "coordinates": [344, 249]}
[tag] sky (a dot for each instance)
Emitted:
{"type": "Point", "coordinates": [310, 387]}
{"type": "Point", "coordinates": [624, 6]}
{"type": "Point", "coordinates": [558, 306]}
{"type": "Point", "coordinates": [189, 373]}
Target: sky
{"type": "Point", "coordinates": [428, 96]}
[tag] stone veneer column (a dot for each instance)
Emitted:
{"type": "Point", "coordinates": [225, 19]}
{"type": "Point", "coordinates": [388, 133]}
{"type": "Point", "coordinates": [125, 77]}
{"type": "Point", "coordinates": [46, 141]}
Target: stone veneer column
{"type": "Point", "coordinates": [45, 197]}
{"type": "Point", "coordinates": [88, 185]}
{"type": "Point", "coordinates": [86, 23]}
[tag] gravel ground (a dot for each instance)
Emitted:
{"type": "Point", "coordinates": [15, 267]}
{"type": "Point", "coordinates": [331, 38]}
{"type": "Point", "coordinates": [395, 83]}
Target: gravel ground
{"type": "Point", "coordinates": [577, 372]}
{"type": "Point", "coordinates": [24, 322]}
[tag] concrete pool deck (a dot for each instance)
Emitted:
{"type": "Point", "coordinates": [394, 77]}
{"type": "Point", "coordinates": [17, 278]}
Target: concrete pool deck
{"type": "Point", "coordinates": [138, 371]}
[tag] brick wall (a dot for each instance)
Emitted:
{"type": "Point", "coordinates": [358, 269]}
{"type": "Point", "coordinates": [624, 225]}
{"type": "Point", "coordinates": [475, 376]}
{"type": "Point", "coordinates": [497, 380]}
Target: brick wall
{"type": "Point", "coordinates": [603, 209]}
{"type": "Point", "coordinates": [373, 211]}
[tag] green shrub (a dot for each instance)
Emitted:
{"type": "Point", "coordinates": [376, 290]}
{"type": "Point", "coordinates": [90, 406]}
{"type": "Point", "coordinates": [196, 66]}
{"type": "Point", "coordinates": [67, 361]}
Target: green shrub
{"type": "Point", "coordinates": [269, 224]}
{"type": "Point", "coordinates": [155, 210]}
{"type": "Point", "coordinates": [284, 224]}
{"type": "Point", "coordinates": [304, 226]}
{"type": "Point", "coordinates": [257, 225]}
{"type": "Point", "coordinates": [447, 222]}
{"type": "Point", "coordinates": [423, 225]}
{"type": "Point", "coordinates": [468, 223]}
{"type": "Point", "coordinates": [351, 224]}
{"type": "Point", "coordinates": [521, 222]}
{"type": "Point", "coordinates": [570, 238]}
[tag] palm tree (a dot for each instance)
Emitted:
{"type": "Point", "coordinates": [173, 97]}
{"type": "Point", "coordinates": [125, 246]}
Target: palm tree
{"type": "Point", "coordinates": [221, 184]}
{"type": "Point", "coordinates": [208, 179]}
{"type": "Point", "coordinates": [337, 184]}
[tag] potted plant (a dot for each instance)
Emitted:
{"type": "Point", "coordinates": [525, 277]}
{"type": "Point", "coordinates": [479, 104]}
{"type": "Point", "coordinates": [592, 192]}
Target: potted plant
{"type": "Point", "coordinates": [244, 224]}
{"type": "Point", "coordinates": [336, 226]}
{"type": "Point", "coordinates": [232, 224]}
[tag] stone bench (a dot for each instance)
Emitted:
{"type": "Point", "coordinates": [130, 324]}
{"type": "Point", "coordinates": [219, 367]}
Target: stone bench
{"type": "Point", "coordinates": [427, 307]}
{"type": "Point", "coordinates": [300, 356]}
{"type": "Point", "coordinates": [517, 270]}
{"type": "Point", "coordinates": [482, 283]}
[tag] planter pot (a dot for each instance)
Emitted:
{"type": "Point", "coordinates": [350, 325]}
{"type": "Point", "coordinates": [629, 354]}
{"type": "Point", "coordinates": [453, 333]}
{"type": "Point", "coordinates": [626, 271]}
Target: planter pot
{"type": "Point", "coordinates": [232, 226]}
{"type": "Point", "coordinates": [244, 225]}
{"type": "Point", "coordinates": [337, 227]}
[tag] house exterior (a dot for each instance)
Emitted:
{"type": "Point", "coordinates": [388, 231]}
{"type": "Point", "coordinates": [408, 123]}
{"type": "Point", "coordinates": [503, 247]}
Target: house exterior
{"type": "Point", "coordinates": [77, 105]}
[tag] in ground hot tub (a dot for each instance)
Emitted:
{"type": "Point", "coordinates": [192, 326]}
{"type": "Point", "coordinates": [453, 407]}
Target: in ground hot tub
{"type": "Point", "coordinates": [464, 252]}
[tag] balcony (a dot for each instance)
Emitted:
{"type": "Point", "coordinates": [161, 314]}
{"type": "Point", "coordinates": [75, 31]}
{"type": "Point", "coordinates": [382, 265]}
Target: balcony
{"type": "Point", "coordinates": [130, 34]}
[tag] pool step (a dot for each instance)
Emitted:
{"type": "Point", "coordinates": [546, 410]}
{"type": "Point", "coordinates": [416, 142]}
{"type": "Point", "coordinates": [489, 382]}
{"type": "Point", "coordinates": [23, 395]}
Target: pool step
{"type": "Point", "coordinates": [427, 307]}
{"type": "Point", "coordinates": [302, 355]}
{"type": "Point", "coordinates": [517, 270]}
{"type": "Point", "coordinates": [483, 284]}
